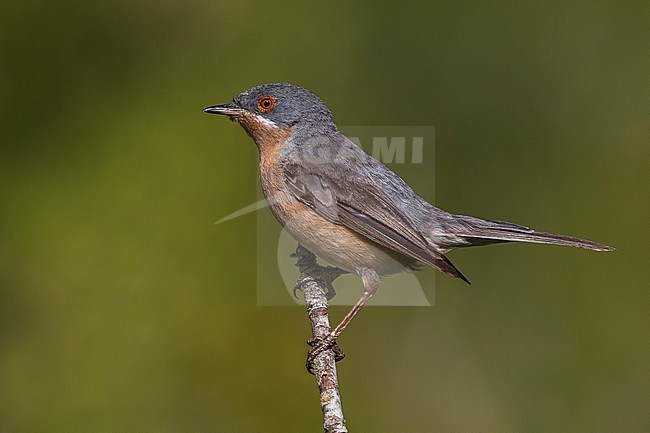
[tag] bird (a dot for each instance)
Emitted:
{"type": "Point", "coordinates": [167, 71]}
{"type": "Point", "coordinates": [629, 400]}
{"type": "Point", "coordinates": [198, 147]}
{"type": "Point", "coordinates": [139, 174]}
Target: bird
{"type": "Point", "coordinates": [346, 206]}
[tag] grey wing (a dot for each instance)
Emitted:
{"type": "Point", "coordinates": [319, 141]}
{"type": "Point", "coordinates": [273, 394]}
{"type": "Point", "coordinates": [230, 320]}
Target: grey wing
{"type": "Point", "coordinates": [344, 196]}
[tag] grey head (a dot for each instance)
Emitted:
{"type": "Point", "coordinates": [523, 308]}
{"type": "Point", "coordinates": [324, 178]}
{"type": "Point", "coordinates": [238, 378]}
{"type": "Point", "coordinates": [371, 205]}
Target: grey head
{"type": "Point", "coordinates": [276, 105]}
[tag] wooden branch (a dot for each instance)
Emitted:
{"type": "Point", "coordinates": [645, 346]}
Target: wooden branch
{"type": "Point", "coordinates": [315, 284]}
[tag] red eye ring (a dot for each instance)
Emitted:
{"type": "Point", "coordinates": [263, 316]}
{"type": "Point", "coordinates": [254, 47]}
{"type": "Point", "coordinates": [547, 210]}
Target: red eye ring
{"type": "Point", "coordinates": [266, 103]}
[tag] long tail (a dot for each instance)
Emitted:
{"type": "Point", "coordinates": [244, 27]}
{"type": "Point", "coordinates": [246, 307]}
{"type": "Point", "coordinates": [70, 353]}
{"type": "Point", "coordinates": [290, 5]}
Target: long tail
{"type": "Point", "coordinates": [476, 231]}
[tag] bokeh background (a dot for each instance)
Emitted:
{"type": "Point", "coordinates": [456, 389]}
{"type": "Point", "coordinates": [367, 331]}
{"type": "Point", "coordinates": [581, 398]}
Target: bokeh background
{"type": "Point", "coordinates": [123, 307]}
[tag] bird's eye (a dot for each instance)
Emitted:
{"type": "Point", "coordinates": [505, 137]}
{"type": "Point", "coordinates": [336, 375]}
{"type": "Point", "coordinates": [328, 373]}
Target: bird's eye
{"type": "Point", "coordinates": [265, 103]}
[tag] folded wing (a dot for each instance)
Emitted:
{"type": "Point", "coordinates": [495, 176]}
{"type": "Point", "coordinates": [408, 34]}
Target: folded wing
{"type": "Point", "coordinates": [360, 204]}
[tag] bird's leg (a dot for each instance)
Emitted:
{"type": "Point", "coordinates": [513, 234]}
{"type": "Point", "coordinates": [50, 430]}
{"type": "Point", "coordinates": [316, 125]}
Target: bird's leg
{"type": "Point", "coordinates": [310, 270]}
{"type": "Point", "coordinates": [370, 280]}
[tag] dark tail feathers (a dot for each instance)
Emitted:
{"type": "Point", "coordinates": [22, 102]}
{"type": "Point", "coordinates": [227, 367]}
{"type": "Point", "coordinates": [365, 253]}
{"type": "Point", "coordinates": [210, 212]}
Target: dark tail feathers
{"type": "Point", "coordinates": [481, 232]}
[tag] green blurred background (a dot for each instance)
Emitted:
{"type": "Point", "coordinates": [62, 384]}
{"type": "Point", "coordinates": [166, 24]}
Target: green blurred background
{"type": "Point", "coordinates": [124, 308]}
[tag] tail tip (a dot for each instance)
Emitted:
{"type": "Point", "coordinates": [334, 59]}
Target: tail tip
{"type": "Point", "coordinates": [595, 246]}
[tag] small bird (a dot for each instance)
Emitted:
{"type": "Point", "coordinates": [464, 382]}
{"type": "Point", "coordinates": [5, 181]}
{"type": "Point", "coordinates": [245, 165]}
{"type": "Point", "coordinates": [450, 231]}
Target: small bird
{"type": "Point", "coordinates": [346, 206]}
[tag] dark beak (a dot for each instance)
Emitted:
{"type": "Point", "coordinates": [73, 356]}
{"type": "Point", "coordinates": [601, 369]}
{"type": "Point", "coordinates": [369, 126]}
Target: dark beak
{"type": "Point", "coordinates": [229, 109]}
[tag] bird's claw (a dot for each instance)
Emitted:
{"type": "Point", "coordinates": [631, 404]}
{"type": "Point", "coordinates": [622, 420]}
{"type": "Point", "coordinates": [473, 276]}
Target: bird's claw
{"type": "Point", "coordinates": [318, 346]}
{"type": "Point", "coordinates": [324, 275]}
{"type": "Point", "coordinates": [298, 287]}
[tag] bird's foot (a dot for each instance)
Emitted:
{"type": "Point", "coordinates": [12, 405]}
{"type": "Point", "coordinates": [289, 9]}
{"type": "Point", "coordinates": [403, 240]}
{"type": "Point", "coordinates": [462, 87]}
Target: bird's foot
{"type": "Point", "coordinates": [324, 275]}
{"type": "Point", "coordinates": [320, 345]}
